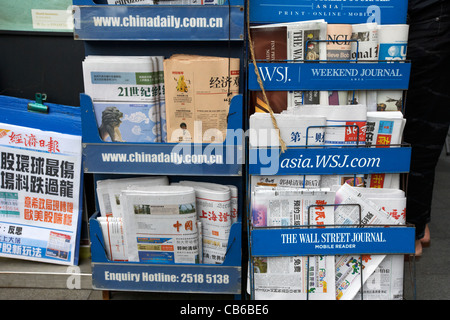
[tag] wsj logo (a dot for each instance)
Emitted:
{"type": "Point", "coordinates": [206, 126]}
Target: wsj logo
{"type": "Point", "coordinates": [274, 74]}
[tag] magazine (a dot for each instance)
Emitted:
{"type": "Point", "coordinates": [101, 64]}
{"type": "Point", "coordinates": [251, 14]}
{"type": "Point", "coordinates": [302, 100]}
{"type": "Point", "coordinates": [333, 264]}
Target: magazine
{"type": "Point", "coordinates": [293, 41]}
{"type": "Point", "coordinates": [213, 203]}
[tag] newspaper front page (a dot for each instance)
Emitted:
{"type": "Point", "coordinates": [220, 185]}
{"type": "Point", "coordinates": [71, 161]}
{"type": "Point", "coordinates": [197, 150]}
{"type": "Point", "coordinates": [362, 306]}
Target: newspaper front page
{"type": "Point", "coordinates": [160, 225]}
{"type": "Point", "coordinates": [297, 277]}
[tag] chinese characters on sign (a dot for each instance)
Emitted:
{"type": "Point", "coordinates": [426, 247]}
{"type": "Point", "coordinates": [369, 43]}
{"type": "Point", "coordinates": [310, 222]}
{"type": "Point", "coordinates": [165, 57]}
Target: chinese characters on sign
{"type": "Point", "coordinates": [39, 194]}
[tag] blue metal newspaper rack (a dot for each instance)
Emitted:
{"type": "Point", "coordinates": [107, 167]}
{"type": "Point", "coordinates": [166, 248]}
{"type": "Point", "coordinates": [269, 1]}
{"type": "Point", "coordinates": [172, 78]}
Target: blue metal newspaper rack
{"type": "Point", "coordinates": [163, 30]}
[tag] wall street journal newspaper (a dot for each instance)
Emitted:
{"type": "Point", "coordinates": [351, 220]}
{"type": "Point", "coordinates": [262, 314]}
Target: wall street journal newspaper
{"type": "Point", "coordinates": [295, 277]}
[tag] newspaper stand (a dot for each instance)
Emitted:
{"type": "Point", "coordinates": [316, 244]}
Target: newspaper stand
{"type": "Point", "coordinates": [299, 76]}
{"type": "Point", "coordinates": [134, 39]}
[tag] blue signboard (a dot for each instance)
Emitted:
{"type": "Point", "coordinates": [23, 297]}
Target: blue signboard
{"type": "Point", "coordinates": [166, 278]}
{"type": "Point", "coordinates": [196, 278]}
{"type": "Point", "coordinates": [331, 76]}
{"type": "Point", "coordinates": [331, 160]}
{"type": "Point", "coordinates": [331, 241]}
{"type": "Point", "coordinates": [333, 11]}
{"type": "Point", "coordinates": [163, 158]}
{"type": "Point", "coordinates": [184, 23]}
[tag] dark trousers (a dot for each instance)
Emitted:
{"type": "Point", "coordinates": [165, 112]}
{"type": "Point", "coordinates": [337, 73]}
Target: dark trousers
{"type": "Point", "coordinates": [427, 110]}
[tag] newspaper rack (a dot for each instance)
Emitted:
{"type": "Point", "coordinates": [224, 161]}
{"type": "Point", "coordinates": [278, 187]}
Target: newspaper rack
{"type": "Point", "coordinates": [139, 30]}
{"type": "Point", "coordinates": [289, 241]}
{"type": "Point", "coordinates": [220, 159]}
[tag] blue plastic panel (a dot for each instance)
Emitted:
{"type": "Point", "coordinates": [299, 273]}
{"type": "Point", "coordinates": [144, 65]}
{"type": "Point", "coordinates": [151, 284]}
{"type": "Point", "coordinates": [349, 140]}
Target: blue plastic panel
{"type": "Point", "coordinates": [331, 160]}
{"type": "Point", "coordinates": [336, 11]}
{"type": "Point", "coordinates": [224, 278]}
{"type": "Point", "coordinates": [331, 76]}
{"type": "Point", "coordinates": [183, 23]}
{"type": "Point", "coordinates": [332, 241]}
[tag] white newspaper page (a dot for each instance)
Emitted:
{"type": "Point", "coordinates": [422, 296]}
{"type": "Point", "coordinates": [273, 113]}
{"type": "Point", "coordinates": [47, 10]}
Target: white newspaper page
{"type": "Point", "coordinates": [348, 267]}
{"type": "Point", "coordinates": [386, 282]}
{"type": "Point", "coordinates": [295, 277]}
{"type": "Point", "coordinates": [120, 78]}
{"type": "Point", "coordinates": [214, 212]}
{"type": "Point", "coordinates": [295, 130]}
{"type": "Point", "coordinates": [39, 194]}
{"type": "Point", "coordinates": [346, 125]}
{"type": "Point", "coordinates": [160, 231]}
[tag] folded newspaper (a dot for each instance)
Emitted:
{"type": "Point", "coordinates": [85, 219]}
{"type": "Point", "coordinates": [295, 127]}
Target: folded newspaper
{"type": "Point", "coordinates": [160, 224]}
{"type": "Point", "coordinates": [362, 211]}
{"type": "Point", "coordinates": [386, 282]}
{"type": "Point", "coordinates": [127, 96]}
{"type": "Point", "coordinates": [294, 277]}
{"type": "Point", "coordinates": [113, 238]}
{"type": "Point", "coordinates": [108, 191]}
{"type": "Point", "coordinates": [213, 203]}
{"type": "Point", "coordinates": [346, 124]}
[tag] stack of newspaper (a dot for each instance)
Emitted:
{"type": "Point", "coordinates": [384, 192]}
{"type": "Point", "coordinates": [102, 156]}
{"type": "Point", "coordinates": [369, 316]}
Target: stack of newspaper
{"type": "Point", "coordinates": [146, 219]}
{"type": "Point", "coordinates": [368, 42]}
{"type": "Point", "coordinates": [127, 93]}
{"type": "Point", "coordinates": [294, 277]}
{"type": "Point", "coordinates": [214, 213]}
{"type": "Point", "coordinates": [160, 224]}
{"type": "Point", "coordinates": [286, 277]}
{"type": "Point", "coordinates": [376, 207]}
{"type": "Point", "coordinates": [108, 197]}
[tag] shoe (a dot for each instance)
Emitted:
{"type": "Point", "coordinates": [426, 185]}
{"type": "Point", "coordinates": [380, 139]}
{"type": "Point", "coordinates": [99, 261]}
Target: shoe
{"type": "Point", "coordinates": [425, 241]}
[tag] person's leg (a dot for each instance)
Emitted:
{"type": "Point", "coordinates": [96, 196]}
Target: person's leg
{"type": "Point", "coordinates": [427, 114]}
